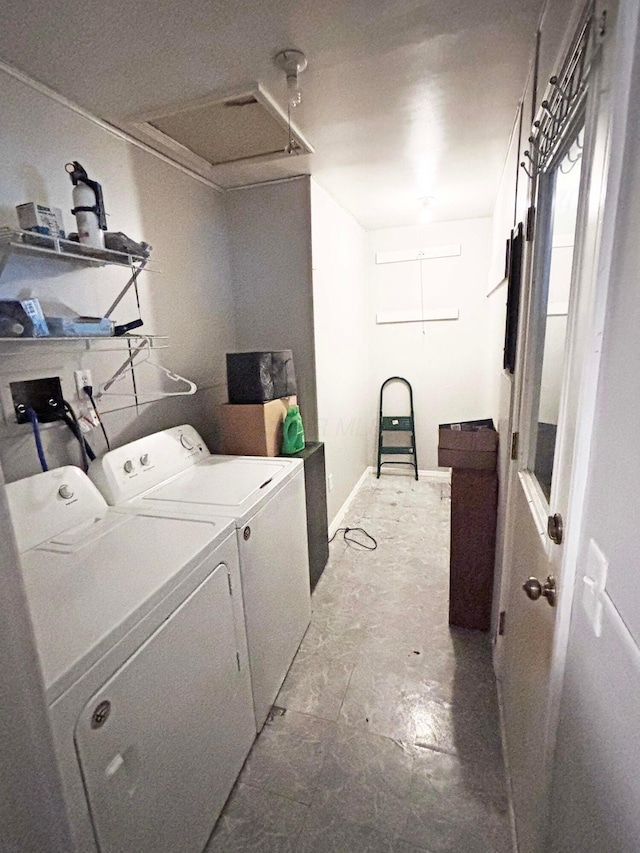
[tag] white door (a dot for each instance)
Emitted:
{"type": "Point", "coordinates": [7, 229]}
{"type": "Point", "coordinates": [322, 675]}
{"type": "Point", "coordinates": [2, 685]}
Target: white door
{"type": "Point", "coordinates": [160, 745]}
{"type": "Point", "coordinates": [543, 503]}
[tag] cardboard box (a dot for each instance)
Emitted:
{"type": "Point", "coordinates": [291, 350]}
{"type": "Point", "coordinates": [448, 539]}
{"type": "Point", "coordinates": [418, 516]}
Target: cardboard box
{"type": "Point", "coordinates": [254, 429]}
{"type": "Point", "coordinates": [474, 501]}
{"type": "Point", "coordinates": [471, 444]}
{"type": "Point", "coordinates": [41, 219]}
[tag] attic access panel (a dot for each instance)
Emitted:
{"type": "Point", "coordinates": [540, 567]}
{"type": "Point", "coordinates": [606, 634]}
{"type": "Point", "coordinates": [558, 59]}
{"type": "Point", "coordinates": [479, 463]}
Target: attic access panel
{"type": "Point", "coordinates": [226, 132]}
{"type": "Point", "coordinates": [220, 131]}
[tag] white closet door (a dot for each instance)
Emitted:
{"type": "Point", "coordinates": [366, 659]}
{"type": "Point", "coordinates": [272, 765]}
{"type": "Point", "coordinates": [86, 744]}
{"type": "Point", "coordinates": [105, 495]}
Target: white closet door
{"type": "Point", "coordinates": [179, 723]}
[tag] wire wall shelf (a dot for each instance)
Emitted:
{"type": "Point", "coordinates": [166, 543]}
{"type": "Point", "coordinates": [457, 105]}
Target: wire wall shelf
{"type": "Point", "coordinates": [120, 343]}
{"type": "Point", "coordinates": [15, 241]}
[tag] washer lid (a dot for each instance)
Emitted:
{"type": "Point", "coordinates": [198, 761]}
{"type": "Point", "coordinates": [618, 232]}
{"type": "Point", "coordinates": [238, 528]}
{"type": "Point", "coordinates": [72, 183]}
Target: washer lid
{"type": "Point", "coordinates": [223, 482]}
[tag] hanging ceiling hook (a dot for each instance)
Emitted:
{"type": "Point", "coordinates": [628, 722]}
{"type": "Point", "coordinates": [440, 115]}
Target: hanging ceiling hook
{"type": "Point", "coordinates": [293, 62]}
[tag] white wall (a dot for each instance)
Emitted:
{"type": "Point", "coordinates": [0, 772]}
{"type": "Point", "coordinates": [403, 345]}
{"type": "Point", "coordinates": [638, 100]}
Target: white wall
{"type": "Point", "coordinates": [596, 781]}
{"type": "Point", "coordinates": [148, 199]}
{"type": "Point", "coordinates": [270, 235]}
{"type": "Point", "coordinates": [340, 300]}
{"type": "Point", "coordinates": [448, 361]}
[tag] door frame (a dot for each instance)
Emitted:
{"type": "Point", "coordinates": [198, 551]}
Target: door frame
{"type": "Point", "coordinates": [613, 74]}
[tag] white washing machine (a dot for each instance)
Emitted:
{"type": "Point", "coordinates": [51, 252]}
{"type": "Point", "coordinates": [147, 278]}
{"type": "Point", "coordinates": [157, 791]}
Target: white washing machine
{"type": "Point", "coordinates": [139, 627]}
{"type": "Point", "coordinates": [172, 472]}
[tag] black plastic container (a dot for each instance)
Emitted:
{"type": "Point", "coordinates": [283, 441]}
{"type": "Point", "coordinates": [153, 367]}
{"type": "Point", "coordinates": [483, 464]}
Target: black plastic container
{"type": "Point", "coordinates": [257, 377]}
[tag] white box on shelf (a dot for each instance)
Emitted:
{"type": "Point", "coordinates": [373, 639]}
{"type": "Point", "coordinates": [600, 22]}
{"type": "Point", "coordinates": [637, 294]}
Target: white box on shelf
{"type": "Point", "coordinates": [41, 219]}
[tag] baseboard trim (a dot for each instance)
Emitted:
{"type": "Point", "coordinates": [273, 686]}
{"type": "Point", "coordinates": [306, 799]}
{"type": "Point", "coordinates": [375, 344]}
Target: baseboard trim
{"type": "Point", "coordinates": [337, 520]}
{"type": "Point", "coordinates": [423, 474]}
{"type": "Point", "coordinates": [505, 757]}
{"type": "Point", "coordinates": [441, 476]}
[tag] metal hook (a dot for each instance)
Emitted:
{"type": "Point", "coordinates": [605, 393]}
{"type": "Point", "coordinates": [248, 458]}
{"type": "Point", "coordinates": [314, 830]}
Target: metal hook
{"type": "Point", "coordinates": [542, 131]}
{"type": "Point", "coordinates": [547, 137]}
{"type": "Point", "coordinates": [554, 117]}
{"type": "Point", "coordinates": [547, 130]}
{"type": "Point", "coordinates": [523, 165]}
{"type": "Point", "coordinates": [554, 82]}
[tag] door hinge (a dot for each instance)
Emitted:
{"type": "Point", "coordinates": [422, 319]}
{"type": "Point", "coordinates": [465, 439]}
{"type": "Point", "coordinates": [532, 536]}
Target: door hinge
{"type": "Point", "coordinates": [501, 621]}
{"type": "Point", "coordinates": [515, 440]}
{"type": "Point", "coordinates": [531, 224]}
{"type": "Point", "coordinates": [229, 582]}
{"type": "Point", "coordinates": [238, 660]}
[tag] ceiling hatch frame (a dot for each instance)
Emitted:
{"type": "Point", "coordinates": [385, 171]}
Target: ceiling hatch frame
{"type": "Point", "coordinates": [141, 126]}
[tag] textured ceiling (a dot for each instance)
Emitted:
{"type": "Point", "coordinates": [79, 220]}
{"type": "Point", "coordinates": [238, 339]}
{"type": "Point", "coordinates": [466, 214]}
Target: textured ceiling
{"type": "Point", "coordinates": [402, 99]}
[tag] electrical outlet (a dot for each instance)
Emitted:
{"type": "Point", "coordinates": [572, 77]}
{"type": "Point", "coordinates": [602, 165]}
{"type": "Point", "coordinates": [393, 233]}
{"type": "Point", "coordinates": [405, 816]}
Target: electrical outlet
{"type": "Point", "coordinates": [330, 482]}
{"type": "Point", "coordinates": [82, 377]}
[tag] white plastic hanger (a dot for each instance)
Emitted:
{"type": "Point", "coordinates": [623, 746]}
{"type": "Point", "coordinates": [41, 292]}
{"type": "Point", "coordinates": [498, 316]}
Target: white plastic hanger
{"type": "Point", "coordinates": [140, 356]}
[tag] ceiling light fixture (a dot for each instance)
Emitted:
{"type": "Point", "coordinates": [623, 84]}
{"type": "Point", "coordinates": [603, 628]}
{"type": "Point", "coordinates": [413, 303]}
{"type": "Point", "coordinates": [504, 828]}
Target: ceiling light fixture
{"type": "Point", "coordinates": [426, 209]}
{"type": "Point", "coordinates": [293, 62]}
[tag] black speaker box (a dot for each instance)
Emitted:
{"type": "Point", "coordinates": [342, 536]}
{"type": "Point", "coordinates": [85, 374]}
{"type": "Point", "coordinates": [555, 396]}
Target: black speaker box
{"type": "Point", "coordinates": [257, 377]}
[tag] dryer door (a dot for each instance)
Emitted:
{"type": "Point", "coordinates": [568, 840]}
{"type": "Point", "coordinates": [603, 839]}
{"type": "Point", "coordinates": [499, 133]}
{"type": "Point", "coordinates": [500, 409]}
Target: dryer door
{"type": "Point", "coordinates": [161, 743]}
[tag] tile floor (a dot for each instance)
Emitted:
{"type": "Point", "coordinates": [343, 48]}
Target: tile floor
{"type": "Point", "coordinates": [384, 737]}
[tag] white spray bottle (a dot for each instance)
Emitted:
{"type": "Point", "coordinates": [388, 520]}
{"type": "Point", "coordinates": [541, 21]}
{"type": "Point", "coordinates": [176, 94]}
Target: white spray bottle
{"type": "Point", "coordinates": [88, 206]}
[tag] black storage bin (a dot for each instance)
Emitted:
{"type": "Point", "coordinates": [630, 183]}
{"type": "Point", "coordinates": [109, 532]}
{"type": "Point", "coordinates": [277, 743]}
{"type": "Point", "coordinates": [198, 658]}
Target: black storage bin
{"type": "Point", "coordinates": [257, 377]}
{"type": "Point", "coordinates": [315, 486]}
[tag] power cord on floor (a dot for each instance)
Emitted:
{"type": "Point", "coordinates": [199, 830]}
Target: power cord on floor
{"type": "Point", "coordinates": [345, 535]}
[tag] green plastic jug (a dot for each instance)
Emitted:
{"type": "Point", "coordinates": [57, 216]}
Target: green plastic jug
{"type": "Point", "coordinates": [292, 431]}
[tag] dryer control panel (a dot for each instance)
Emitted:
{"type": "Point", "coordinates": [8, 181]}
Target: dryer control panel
{"type": "Point", "coordinates": [49, 503]}
{"type": "Point", "coordinates": [129, 471]}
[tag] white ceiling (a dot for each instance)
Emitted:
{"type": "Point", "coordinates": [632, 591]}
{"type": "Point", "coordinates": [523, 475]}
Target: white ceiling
{"type": "Point", "coordinates": [401, 98]}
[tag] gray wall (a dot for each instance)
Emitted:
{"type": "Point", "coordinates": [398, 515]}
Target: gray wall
{"type": "Point", "coordinates": [270, 237]}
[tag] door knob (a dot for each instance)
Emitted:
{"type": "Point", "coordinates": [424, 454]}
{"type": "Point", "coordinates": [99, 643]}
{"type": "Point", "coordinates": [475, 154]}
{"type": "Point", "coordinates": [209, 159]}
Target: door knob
{"type": "Point", "coordinates": [535, 589]}
{"type": "Point", "coordinates": [555, 528]}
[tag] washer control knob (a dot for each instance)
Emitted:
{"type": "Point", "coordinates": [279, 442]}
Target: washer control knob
{"type": "Point", "coordinates": [144, 459]}
{"type": "Point", "coordinates": [128, 466]}
{"type": "Point", "coordinates": [65, 492]}
{"type": "Point", "coordinates": [186, 442]}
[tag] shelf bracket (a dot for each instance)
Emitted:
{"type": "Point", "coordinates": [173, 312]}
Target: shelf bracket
{"type": "Point", "coordinates": [126, 288]}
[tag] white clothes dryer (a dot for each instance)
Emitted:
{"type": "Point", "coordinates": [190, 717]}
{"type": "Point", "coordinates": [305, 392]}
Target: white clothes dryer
{"type": "Point", "coordinates": [173, 473]}
{"type": "Point", "coordinates": [139, 627]}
